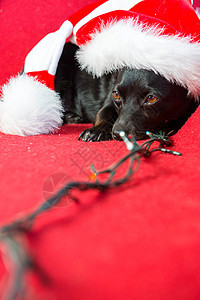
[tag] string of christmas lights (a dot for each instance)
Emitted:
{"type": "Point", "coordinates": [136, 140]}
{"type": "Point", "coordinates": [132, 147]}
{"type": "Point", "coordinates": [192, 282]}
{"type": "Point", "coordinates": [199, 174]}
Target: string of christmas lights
{"type": "Point", "coordinates": [14, 235]}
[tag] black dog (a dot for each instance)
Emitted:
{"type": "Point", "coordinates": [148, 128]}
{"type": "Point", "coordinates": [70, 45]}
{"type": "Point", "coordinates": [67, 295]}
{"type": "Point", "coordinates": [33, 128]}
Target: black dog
{"type": "Point", "coordinates": [131, 100]}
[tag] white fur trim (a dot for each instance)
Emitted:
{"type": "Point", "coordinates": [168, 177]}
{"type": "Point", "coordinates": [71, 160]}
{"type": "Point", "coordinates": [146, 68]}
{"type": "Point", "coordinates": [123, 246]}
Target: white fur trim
{"type": "Point", "coordinates": [128, 43]}
{"type": "Point", "coordinates": [28, 107]}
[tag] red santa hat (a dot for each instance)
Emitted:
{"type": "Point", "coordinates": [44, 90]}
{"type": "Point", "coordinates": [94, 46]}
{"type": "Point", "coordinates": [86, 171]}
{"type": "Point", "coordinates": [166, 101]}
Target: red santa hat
{"type": "Point", "coordinates": [162, 36]}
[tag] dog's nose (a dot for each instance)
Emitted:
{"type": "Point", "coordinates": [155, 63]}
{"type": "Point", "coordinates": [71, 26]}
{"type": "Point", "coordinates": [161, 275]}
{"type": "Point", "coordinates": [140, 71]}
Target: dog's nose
{"type": "Point", "coordinates": [116, 135]}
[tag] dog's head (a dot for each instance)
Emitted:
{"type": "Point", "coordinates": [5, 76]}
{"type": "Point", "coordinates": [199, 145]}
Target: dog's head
{"type": "Point", "coordinates": [146, 101]}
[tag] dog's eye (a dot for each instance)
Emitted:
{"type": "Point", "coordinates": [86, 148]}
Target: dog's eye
{"type": "Point", "coordinates": [117, 99]}
{"type": "Point", "coordinates": [151, 99]}
{"type": "Point", "coordinates": [116, 95]}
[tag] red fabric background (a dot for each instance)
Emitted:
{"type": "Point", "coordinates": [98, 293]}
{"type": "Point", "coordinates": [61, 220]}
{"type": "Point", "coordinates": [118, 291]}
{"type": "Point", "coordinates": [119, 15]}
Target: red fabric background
{"type": "Point", "coordinates": [139, 241]}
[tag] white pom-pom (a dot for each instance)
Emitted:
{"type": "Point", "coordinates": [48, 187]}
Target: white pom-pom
{"type": "Point", "coordinates": [28, 107]}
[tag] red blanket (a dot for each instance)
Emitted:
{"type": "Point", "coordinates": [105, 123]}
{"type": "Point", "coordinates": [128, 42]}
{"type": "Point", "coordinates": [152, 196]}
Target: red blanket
{"type": "Point", "coordinates": [139, 241]}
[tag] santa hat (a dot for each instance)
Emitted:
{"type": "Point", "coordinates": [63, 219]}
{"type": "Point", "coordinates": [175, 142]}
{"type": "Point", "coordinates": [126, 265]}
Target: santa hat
{"type": "Point", "coordinates": [163, 36]}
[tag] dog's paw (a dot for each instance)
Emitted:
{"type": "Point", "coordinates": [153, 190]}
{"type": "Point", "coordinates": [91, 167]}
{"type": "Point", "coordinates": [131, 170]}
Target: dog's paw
{"type": "Point", "coordinates": [72, 118]}
{"type": "Point", "coordinates": [94, 134]}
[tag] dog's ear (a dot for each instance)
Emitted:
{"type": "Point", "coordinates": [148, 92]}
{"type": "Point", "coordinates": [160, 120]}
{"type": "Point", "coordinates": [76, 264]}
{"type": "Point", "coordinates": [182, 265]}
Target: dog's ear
{"type": "Point", "coordinates": [172, 126]}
